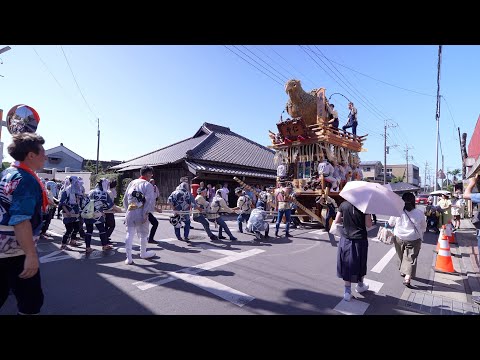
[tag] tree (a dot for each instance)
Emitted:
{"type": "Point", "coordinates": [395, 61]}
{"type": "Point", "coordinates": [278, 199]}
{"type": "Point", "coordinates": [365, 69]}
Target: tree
{"type": "Point", "coordinates": [92, 167]}
{"type": "Point", "coordinates": [396, 179]}
{"type": "Point", "coordinates": [454, 173]}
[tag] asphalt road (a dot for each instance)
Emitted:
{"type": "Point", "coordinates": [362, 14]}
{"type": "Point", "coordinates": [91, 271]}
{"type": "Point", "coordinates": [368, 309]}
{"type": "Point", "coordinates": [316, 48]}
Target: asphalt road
{"type": "Point", "coordinates": [295, 275]}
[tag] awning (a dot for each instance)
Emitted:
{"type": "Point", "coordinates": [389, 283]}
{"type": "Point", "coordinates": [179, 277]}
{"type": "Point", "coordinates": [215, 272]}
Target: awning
{"type": "Point", "coordinates": [195, 167]}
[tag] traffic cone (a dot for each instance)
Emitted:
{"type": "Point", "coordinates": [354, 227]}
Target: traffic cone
{"type": "Point", "coordinates": [441, 236]}
{"type": "Point", "coordinates": [444, 261]}
{"type": "Point", "coordinates": [449, 233]}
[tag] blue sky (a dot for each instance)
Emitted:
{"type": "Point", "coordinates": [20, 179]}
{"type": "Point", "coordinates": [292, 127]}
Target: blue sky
{"type": "Point", "coordinates": [148, 97]}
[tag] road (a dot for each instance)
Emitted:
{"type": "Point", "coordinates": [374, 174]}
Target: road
{"type": "Point", "coordinates": [295, 275]}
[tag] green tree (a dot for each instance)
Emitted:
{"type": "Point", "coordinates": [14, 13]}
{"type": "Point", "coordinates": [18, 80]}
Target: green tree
{"type": "Point", "coordinates": [454, 173]}
{"type": "Point", "coordinates": [92, 167]}
{"type": "Point", "coordinates": [396, 179]}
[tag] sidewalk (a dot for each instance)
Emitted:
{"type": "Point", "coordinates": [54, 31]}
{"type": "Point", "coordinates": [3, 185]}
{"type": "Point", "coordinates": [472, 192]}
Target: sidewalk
{"type": "Point", "coordinates": [451, 294]}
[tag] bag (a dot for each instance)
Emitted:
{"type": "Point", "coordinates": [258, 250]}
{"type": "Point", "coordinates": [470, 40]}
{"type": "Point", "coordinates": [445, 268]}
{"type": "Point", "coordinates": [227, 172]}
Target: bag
{"type": "Point", "coordinates": [476, 219]}
{"type": "Point", "coordinates": [385, 235]}
{"type": "Point", "coordinates": [336, 229]}
{"type": "Point", "coordinates": [89, 210]}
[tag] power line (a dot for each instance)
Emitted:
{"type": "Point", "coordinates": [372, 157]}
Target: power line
{"type": "Point", "coordinates": [46, 67]}
{"type": "Point", "coordinates": [285, 78]}
{"type": "Point", "coordinates": [384, 82]}
{"type": "Point", "coordinates": [282, 80]}
{"type": "Point", "coordinates": [352, 86]}
{"type": "Point", "coordinates": [58, 83]}
{"type": "Point", "coordinates": [304, 76]}
{"type": "Point", "coordinates": [448, 108]}
{"type": "Point", "coordinates": [78, 87]}
{"type": "Point", "coordinates": [400, 134]}
{"type": "Point", "coordinates": [253, 66]}
{"type": "Point", "coordinates": [343, 87]}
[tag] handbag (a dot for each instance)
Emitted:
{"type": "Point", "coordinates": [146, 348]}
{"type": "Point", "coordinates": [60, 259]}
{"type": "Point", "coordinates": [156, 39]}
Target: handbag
{"type": "Point", "coordinates": [385, 235]}
{"type": "Point", "coordinates": [336, 229]}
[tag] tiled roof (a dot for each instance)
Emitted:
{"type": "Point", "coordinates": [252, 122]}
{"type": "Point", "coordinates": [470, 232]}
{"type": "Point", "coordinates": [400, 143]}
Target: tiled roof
{"type": "Point", "coordinates": [212, 143]}
{"type": "Point", "coordinates": [369, 163]}
{"type": "Point", "coordinates": [230, 148]}
{"type": "Point", "coordinates": [229, 170]}
{"type": "Point", "coordinates": [401, 186]}
{"type": "Point", "coordinates": [170, 154]}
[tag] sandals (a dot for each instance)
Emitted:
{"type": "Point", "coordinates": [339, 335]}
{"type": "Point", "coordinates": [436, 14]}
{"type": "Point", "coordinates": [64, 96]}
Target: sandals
{"type": "Point", "coordinates": [88, 250]}
{"type": "Point", "coordinates": [107, 247]}
{"type": "Point", "coordinates": [73, 243]}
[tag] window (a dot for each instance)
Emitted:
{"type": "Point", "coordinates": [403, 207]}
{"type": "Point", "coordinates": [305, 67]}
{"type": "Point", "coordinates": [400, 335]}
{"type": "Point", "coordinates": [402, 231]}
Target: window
{"type": "Point", "coordinates": [54, 160]}
{"type": "Point", "coordinates": [367, 169]}
{"type": "Point", "coordinates": [389, 171]}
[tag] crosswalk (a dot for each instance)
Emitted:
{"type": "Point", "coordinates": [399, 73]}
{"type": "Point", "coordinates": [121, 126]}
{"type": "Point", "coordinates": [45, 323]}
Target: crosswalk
{"type": "Point", "coordinates": [356, 306]}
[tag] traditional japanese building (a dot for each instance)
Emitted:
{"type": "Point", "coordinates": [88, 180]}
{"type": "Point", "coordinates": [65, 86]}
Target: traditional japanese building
{"type": "Point", "coordinates": [214, 155]}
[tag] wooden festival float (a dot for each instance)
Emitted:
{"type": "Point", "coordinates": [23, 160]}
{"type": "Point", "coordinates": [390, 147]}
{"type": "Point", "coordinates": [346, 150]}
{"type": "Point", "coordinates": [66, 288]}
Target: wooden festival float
{"type": "Point", "coordinates": [303, 141]}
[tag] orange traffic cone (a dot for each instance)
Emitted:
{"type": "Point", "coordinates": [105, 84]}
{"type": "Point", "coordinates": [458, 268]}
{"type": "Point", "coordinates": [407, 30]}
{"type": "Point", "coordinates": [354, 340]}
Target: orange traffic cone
{"type": "Point", "coordinates": [441, 236]}
{"type": "Point", "coordinates": [449, 233]}
{"type": "Point", "coordinates": [444, 261]}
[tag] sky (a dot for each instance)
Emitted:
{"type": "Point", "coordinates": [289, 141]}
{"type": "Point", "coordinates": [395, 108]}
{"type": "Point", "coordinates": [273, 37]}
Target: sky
{"type": "Point", "coordinates": [149, 96]}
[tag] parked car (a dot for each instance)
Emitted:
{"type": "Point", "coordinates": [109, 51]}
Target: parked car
{"type": "Point", "coordinates": [422, 199]}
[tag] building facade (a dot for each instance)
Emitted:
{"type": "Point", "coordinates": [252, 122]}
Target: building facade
{"type": "Point", "coordinates": [400, 171]}
{"type": "Point", "coordinates": [371, 169]}
{"type": "Point", "coordinates": [214, 155]}
{"type": "Point", "coordinates": [61, 158]}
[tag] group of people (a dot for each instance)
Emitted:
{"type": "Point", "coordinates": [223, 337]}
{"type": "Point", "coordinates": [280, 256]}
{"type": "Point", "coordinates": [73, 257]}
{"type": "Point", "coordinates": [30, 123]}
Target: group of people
{"type": "Point", "coordinates": [447, 210]}
{"type": "Point", "coordinates": [352, 118]}
{"type": "Point", "coordinates": [352, 252]}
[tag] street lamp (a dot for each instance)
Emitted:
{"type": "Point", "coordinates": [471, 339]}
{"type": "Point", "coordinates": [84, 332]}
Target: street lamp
{"type": "Point", "coordinates": [2, 50]}
{"type": "Point", "coordinates": [5, 49]}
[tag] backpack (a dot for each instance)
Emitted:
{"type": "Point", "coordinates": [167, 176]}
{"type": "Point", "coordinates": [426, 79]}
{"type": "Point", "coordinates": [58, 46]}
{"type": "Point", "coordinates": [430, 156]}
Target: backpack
{"type": "Point", "coordinates": [89, 210]}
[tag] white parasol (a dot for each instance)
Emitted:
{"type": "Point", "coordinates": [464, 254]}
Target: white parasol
{"type": "Point", "coordinates": [372, 198]}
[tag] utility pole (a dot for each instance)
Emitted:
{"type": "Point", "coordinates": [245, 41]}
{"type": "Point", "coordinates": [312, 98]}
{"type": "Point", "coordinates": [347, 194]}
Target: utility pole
{"type": "Point", "coordinates": [385, 150]}
{"type": "Point", "coordinates": [98, 142]}
{"type": "Point", "coordinates": [442, 172]}
{"type": "Point", "coordinates": [437, 116]}
{"type": "Point", "coordinates": [425, 178]}
{"type": "Point", "coordinates": [406, 152]}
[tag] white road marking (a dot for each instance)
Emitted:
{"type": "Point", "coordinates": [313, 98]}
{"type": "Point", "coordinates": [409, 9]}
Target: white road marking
{"type": "Point", "coordinates": [225, 292]}
{"type": "Point", "coordinates": [52, 256]}
{"type": "Point", "coordinates": [384, 261]}
{"type": "Point", "coordinates": [356, 307]}
{"type": "Point", "coordinates": [190, 275]}
{"type": "Point", "coordinates": [215, 249]}
{"type": "Point", "coordinates": [168, 240]}
{"type": "Point", "coordinates": [352, 307]}
{"type": "Point", "coordinates": [373, 285]}
{"type": "Point", "coordinates": [319, 232]}
{"type": "Point", "coordinates": [54, 233]}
